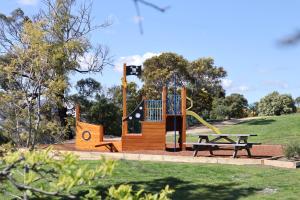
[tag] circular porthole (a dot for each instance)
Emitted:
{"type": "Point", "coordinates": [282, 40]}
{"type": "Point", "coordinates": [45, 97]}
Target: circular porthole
{"type": "Point", "coordinates": [86, 135]}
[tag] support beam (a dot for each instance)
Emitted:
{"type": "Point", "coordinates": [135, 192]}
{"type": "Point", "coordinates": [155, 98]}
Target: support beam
{"type": "Point", "coordinates": [183, 112]}
{"type": "Point", "coordinates": [124, 90]}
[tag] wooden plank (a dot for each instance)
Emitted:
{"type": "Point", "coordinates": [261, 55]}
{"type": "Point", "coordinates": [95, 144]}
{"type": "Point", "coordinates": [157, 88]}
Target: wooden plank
{"type": "Point", "coordinates": [228, 135]}
{"type": "Point", "coordinates": [218, 144]}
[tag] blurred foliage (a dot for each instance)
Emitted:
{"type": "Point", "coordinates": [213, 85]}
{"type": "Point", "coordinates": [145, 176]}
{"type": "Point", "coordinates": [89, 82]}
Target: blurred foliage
{"type": "Point", "coordinates": [47, 174]}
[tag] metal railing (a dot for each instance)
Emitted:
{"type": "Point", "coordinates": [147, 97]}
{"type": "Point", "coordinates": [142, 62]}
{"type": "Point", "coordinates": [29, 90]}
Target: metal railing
{"type": "Point", "coordinates": [174, 105]}
{"type": "Point", "coordinates": [153, 110]}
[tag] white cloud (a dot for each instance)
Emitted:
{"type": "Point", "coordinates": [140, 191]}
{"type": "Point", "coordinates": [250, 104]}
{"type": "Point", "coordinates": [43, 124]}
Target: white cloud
{"type": "Point", "coordinates": [226, 83]}
{"type": "Point", "coordinates": [133, 60]}
{"type": "Point", "coordinates": [242, 88]}
{"type": "Point", "coordinates": [28, 2]}
{"type": "Point", "coordinates": [276, 84]}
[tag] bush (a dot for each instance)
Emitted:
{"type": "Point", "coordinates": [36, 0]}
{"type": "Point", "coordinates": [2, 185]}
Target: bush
{"type": "Point", "coordinates": [219, 110]}
{"type": "Point", "coordinates": [276, 104]}
{"type": "Point", "coordinates": [50, 175]}
{"type": "Point", "coordinates": [292, 150]}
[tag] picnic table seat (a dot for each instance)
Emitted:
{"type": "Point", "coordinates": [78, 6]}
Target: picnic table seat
{"type": "Point", "coordinates": [109, 145]}
{"type": "Point", "coordinates": [239, 144]}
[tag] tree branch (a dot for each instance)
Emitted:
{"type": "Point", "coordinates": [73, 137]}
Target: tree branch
{"type": "Point", "coordinates": [149, 4]}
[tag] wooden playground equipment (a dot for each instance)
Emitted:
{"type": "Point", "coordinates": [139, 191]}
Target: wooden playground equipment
{"type": "Point", "coordinates": [155, 117]}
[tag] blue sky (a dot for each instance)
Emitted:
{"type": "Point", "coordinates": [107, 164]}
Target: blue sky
{"type": "Point", "coordinates": [242, 36]}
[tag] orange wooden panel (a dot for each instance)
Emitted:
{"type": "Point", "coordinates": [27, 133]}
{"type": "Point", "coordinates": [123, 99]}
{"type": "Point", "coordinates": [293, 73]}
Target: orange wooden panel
{"type": "Point", "coordinates": [88, 135]}
{"type": "Point", "coordinates": [153, 137]}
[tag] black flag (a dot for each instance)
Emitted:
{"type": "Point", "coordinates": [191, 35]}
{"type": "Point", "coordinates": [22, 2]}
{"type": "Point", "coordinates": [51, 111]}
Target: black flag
{"type": "Point", "coordinates": [134, 70]}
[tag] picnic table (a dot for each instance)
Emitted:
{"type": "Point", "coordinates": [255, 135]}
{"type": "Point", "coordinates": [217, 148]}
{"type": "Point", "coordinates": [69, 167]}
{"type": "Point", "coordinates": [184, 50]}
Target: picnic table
{"type": "Point", "coordinates": [237, 141]}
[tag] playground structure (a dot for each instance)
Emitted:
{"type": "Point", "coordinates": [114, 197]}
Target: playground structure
{"type": "Point", "coordinates": [155, 117]}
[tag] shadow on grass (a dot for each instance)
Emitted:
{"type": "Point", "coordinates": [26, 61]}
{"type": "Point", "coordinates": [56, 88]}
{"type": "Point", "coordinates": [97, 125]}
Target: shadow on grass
{"type": "Point", "coordinates": [188, 190]}
{"type": "Point", "coordinates": [259, 122]}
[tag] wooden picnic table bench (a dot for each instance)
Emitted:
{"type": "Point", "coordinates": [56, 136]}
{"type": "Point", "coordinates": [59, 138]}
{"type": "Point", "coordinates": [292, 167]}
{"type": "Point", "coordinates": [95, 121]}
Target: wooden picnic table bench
{"type": "Point", "coordinates": [241, 142]}
{"type": "Point", "coordinates": [108, 145]}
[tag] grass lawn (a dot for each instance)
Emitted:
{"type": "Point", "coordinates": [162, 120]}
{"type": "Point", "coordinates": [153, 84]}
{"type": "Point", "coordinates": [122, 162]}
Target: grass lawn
{"type": "Point", "coordinates": [206, 181]}
{"type": "Point", "coordinates": [270, 130]}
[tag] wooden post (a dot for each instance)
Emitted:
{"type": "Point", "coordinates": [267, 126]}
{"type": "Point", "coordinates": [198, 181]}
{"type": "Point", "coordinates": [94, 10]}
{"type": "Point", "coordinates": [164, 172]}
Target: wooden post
{"type": "Point", "coordinates": [183, 111]}
{"type": "Point", "coordinates": [164, 104]}
{"type": "Point", "coordinates": [124, 89]}
{"type": "Point", "coordinates": [164, 110]}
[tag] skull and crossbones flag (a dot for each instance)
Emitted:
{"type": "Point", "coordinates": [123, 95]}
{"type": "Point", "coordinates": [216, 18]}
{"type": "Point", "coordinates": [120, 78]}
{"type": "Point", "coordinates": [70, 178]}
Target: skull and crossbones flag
{"type": "Point", "coordinates": [133, 70]}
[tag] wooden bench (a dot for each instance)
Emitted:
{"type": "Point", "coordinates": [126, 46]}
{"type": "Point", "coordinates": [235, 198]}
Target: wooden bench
{"type": "Point", "coordinates": [109, 145]}
{"type": "Point", "coordinates": [237, 147]}
{"type": "Point", "coordinates": [239, 144]}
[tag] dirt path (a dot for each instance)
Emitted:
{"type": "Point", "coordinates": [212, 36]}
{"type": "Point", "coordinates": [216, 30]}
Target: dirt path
{"type": "Point", "coordinates": [204, 129]}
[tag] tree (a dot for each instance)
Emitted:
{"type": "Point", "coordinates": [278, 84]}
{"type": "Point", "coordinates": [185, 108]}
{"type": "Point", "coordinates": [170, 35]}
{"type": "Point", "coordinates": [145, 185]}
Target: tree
{"type": "Point", "coordinates": [297, 101]}
{"type": "Point", "coordinates": [159, 71]}
{"type": "Point", "coordinates": [220, 110]}
{"type": "Point", "coordinates": [204, 83]}
{"type": "Point", "coordinates": [201, 77]}
{"type": "Point", "coordinates": [276, 104]}
{"type": "Point", "coordinates": [32, 86]}
{"type": "Point", "coordinates": [88, 87]}
{"type": "Point", "coordinates": [134, 96]}
{"type": "Point", "coordinates": [288, 104]}
{"type": "Point", "coordinates": [237, 105]}
{"type": "Point", "coordinates": [253, 108]}
{"type": "Point", "coordinates": [104, 112]}
{"type": "Point", "coordinates": [67, 33]}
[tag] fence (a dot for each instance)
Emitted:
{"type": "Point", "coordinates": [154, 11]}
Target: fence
{"type": "Point", "coordinates": [153, 110]}
{"type": "Point", "coordinates": [174, 105]}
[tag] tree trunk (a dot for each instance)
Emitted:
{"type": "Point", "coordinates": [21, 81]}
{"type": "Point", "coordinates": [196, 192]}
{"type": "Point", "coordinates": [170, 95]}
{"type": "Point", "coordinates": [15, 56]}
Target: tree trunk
{"type": "Point", "coordinates": [30, 125]}
{"type": "Point", "coordinates": [37, 125]}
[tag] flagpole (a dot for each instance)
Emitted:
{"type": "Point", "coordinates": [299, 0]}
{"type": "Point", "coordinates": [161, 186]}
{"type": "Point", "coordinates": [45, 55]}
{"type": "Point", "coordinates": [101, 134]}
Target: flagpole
{"type": "Point", "coordinates": [124, 90]}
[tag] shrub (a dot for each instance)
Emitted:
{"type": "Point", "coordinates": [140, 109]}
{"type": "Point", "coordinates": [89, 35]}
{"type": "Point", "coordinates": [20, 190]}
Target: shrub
{"type": "Point", "coordinates": [47, 175]}
{"type": "Point", "coordinates": [276, 104]}
{"type": "Point", "coordinates": [292, 150]}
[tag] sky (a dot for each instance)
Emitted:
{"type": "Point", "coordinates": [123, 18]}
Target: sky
{"type": "Point", "coordinates": [241, 36]}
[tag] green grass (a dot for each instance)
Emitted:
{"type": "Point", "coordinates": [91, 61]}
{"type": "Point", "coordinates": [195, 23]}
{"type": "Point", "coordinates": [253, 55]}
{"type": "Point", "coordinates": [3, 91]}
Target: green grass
{"type": "Point", "coordinates": [270, 130]}
{"type": "Point", "coordinates": [205, 181]}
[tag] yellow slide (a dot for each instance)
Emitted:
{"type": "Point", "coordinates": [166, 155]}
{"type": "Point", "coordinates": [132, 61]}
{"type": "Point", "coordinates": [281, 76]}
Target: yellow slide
{"type": "Point", "coordinates": [200, 119]}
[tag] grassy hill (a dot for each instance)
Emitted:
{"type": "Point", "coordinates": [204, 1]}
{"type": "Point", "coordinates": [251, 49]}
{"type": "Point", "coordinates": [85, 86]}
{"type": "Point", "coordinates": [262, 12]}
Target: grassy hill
{"type": "Point", "coordinates": [270, 130]}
